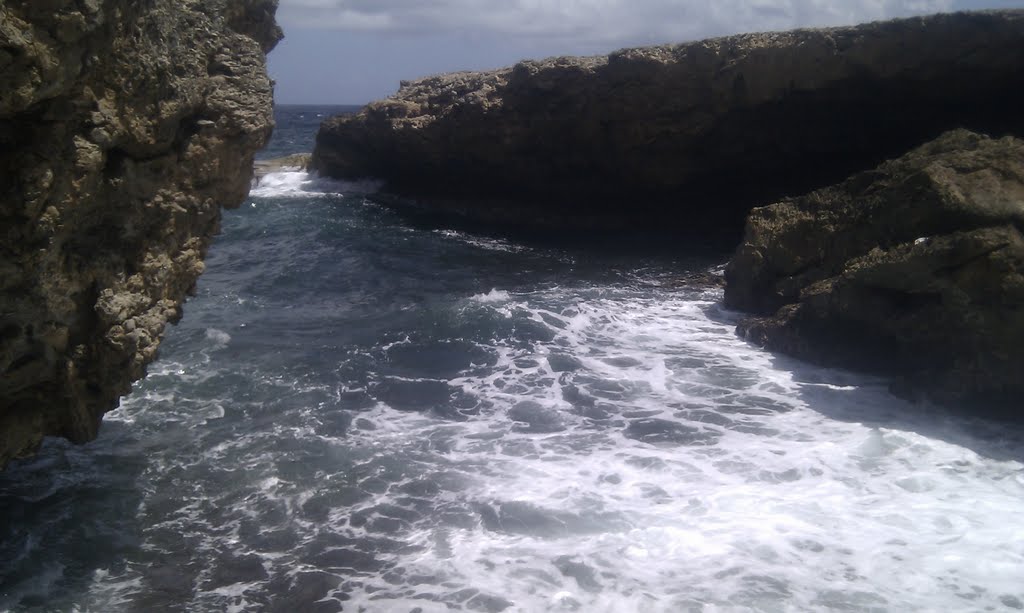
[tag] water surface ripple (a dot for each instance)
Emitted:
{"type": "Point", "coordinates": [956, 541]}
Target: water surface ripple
{"type": "Point", "coordinates": [357, 414]}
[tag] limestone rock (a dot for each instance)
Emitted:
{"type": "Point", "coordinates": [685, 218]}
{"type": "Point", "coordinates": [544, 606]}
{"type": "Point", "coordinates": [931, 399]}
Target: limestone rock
{"type": "Point", "coordinates": [124, 128]}
{"type": "Point", "coordinates": [682, 138]}
{"type": "Point", "coordinates": [915, 268]}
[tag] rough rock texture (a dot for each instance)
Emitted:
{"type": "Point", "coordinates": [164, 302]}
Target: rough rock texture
{"type": "Point", "coordinates": [685, 138]}
{"type": "Point", "coordinates": [914, 268]}
{"type": "Point", "coordinates": [124, 127]}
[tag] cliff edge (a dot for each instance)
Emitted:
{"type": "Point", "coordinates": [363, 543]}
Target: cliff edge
{"type": "Point", "coordinates": [124, 128]}
{"type": "Point", "coordinates": [683, 139]}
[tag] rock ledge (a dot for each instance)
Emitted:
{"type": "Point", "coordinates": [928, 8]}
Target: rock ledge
{"type": "Point", "coordinates": [687, 138]}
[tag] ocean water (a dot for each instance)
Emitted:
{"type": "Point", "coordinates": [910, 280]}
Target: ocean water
{"type": "Point", "coordinates": [360, 414]}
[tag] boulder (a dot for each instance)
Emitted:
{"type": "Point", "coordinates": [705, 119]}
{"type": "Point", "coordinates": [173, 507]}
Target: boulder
{"type": "Point", "coordinates": [915, 268]}
{"type": "Point", "coordinates": [681, 139]}
{"type": "Point", "coordinates": [124, 128]}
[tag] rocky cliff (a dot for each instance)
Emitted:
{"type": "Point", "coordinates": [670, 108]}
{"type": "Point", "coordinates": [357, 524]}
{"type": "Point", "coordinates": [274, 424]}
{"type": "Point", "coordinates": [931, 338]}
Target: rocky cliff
{"type": "Point", "coordinates": [124, 128]}
{"type": "Point", "coordinates": [683, 138]}
{"type": "Point", "coordinates": [915, 268]}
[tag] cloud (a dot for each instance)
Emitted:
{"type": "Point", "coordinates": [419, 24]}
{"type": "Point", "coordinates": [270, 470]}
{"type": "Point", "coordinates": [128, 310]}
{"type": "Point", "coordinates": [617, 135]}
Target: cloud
{"type": "Point", "coordinates": [589, 21]}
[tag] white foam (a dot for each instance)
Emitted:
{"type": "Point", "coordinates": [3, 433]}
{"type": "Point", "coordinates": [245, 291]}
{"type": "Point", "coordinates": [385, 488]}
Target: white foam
{"type": "Point", "coordinates": [791, 509]}
{"type": "Point", "coordinates": [220, 338]}
{"type": "Point", "coordinates": [811, 489]}
{"type": "Point", "coordinates": [483, 242]}
{"type": "Point", "coordinates": [302, 184]}
{"type": "Point", "coordinates": [495, 295]}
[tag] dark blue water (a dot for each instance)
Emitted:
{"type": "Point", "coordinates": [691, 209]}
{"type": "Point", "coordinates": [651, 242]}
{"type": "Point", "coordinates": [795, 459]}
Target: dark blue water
{"type": "Point", "coordinates": [358, 414]}
{"type": "Point", "coordinates": [296, 128]}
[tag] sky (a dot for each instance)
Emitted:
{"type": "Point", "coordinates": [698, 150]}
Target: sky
{"type": "Point", "coordinates": [355, 51]}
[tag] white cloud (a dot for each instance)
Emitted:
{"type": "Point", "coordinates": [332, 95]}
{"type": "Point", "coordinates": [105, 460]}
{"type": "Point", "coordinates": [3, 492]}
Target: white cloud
{"type": "Point", "coordinates": [593, 20]}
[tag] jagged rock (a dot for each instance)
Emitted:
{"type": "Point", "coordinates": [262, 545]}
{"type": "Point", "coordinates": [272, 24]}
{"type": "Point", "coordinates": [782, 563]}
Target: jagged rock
{"type": "Point", "coordinates": [687, 138]}
{"type": "Point", "coordinates": [915, 268]}
{"type": "Point", "coordinates": [124, 127]}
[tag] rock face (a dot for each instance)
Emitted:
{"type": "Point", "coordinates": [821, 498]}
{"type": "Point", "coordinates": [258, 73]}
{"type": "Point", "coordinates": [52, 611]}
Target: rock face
{"type": "Point", "coordinates": [914, 268]}
{"type": "Point", "coordinates": [124, 127]}
{"type": "Point", "coordinates": [683, 138]}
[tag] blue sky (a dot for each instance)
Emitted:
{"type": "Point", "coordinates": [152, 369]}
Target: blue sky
{"type": "Point", "coordinates": [354, 51]}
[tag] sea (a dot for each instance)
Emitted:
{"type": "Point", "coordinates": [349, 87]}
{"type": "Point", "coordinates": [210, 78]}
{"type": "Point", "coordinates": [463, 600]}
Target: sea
{"type": "Point", "coordinates": [361, 413]}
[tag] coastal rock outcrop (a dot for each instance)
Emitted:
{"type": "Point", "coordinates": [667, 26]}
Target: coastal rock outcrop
{"type": "Point", "coordinates": [124, 128]}
{"type": "Point", "coordinates": [686, 138]}
{"type": "Point", "coordinates": [915, 268]}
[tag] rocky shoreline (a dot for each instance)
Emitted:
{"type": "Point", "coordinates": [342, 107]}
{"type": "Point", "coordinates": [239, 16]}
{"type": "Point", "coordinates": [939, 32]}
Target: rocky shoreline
{"type": "Point", "coordinates": [687, 138]}
{"type": "Point", "coordinates": [120, 146]}
{"type": "Point", "coordinates": [912, 269]}
{"type": "Point", "coordinates": [124, 128]}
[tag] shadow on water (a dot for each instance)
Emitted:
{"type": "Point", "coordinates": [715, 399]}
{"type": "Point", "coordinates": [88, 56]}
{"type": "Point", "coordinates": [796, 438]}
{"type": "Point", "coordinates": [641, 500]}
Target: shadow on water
{"type": "Point", "coordinates": [68, 514]}
{"type": "Point", "coordinates": [610, 233]}
{"type": "Point", "coordinates": [851, 396]}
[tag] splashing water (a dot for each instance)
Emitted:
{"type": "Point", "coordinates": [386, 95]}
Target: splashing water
{"type": "Point", "coordinates": [358, 414]}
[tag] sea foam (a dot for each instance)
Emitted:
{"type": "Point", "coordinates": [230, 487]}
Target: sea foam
{"type": "Point", "coordinates": [302, 184]}
{"type": "Point", "coordinates": [506, 443]}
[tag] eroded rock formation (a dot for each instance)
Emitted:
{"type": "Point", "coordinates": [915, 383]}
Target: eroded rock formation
{"type": "Point", "coordinates": [915, 268]}
{"type": "Point", "coordinates": [684, 138]}
{"type": "Point", "coordinates": [124, 128]}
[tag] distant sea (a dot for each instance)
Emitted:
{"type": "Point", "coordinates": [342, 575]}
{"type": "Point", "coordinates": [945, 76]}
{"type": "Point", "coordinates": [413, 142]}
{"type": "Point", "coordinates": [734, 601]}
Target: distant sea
{"type": "Point", "coordinates": [361, 414]}
{"type": "Point", "coordinates": [296, 127]}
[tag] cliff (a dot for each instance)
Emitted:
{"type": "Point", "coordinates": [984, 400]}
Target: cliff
{"type": "Point", "coordinates": [124, 128]}
{"type": "Point", "coordinates": [915, 268]}
{"type": "Point", "coordinates": [686, 138]}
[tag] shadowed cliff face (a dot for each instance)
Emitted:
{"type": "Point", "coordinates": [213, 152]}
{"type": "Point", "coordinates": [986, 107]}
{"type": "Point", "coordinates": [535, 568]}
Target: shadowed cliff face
{"type": "Point", "coordinates": [686, 138]}
{"type": "Point", "coordinates": [124, 128]}
{"type": "Point", "coordinates": [915, 268]}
